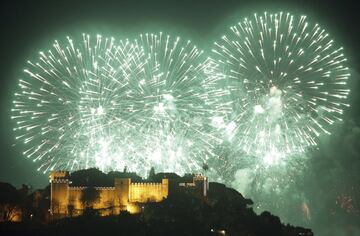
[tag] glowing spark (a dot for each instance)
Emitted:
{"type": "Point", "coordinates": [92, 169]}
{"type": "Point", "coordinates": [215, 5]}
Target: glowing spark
{"type": "Point", "coordinates": [286, 83]}
{"type": "Point", "coordinates": [113, 104]}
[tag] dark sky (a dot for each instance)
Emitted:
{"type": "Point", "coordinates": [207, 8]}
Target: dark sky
{"type": "Point", "coordinates": [27, 26]}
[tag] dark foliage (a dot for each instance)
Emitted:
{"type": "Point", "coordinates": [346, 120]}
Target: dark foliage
{"type": "Point", "coordinates": [89, 196]}
{"type": "Point", "coordinates": [10, 199]}
{"type": "Point", "coordinates": [94, 177]}
{"type": "Point", "coordinates": [223, 212]}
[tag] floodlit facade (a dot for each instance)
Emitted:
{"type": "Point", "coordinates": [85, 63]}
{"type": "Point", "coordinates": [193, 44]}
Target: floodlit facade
{"type": "Point", "coordinates": [66, 200]}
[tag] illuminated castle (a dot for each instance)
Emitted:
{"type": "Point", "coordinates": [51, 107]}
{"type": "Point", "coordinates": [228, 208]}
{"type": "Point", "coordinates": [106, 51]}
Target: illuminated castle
{"type": "Point", "coordinates": [125, 195]}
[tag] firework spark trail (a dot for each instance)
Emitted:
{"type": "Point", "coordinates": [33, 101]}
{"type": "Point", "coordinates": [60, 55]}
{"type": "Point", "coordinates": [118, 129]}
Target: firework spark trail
{"type": "Point", "coordinates": [110, 104]}
{"type": "Point", "coordinates": [287, 85]}
{"type": "Point", "coordinates": [282, 83]}
{"type": "Point", "coordinates": [47, 107]}
{"type": "Point", "coordinates": [274, 85]}
{"type": "Point", "coordinates": [170, 103]}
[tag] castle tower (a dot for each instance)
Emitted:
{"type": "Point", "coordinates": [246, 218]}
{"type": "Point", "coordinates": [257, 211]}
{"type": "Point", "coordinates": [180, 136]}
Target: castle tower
{"type": "Point", "coordinates": [59, 181]}
{"type": "Point", "coordinates": [202, 184]}
{"type": "Point", "coordinates": [122, 189]}
{"type": "Point", "coordinates": [165, 187]}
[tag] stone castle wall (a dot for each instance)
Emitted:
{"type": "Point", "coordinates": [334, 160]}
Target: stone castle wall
{"type": "Point", "coordinates": [123, 196]}
{"type": "Point", "coordinates": [148, 192]}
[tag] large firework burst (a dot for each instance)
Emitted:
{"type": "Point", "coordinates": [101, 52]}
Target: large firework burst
{"type": "Point", "coordinates": [111, 105]}
{"type": "Point", "coordinates": [286, 81]}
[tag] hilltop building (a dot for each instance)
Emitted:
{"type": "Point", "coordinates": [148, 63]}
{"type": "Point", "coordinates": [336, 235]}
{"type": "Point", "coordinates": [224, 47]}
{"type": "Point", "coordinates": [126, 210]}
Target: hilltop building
{"type": "Point", "coordinates": [66, 199]}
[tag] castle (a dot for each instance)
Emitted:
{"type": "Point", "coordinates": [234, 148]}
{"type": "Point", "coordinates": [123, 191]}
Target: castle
{"type": "Point", "coordinates": [66, 199]}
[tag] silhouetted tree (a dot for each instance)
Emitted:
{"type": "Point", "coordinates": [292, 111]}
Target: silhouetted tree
{"type": "Point", "coordinates": [89, 196]}
{"type": "Point", "coordinates": [9, 201]}
{"type": "Point", "coordinates": [182, 213]}
{"type": "Point", "coordinates": [25, 201]}
{"type": "Point", "coordinates": [71, 207]}
{"type": "Point", "coordinates": [91, 177]}
{"type": "Point", "coordinates": [151, 176]}
{"type": "Point", "coordinates": [39, 204]}
{"type": "Point", "coordinates": [55, 206]}
{"type": "Point", "coordinates": [269, 224]}
{"type": "Point", "coordinates": [110, 207]}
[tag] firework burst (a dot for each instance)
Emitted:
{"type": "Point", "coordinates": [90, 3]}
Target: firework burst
{"type": "Point", "coordinates": [286, 81]}
{"type": "Point", "coordinates": [111, 105]}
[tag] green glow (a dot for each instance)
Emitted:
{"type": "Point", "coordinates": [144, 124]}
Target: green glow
{"type": "Point", "coordinates": [287, 84]}
{"type": "Point", "coordinates": [98, 102]}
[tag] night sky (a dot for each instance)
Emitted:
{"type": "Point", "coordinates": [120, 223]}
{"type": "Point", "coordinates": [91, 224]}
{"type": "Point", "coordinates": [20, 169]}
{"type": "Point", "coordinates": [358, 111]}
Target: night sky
{"type": "Point", "coordinates": [26, 26]}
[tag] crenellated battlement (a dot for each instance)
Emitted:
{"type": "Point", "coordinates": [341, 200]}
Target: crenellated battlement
{"type": "Point", "coordinates": [60, 181]}
{"type": "Point", "coordinates": [124, 195]}
{"type": "Point", "coordinates": [105, 188]}
{"type": "Point", "coordinates": [77, 187]}
{"type": "Point", "coordinates": [58, 175]}
{"type": "Point", "coordinates": [147, 184]}
{"type": "Point", "coordinates": [85, 187]}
